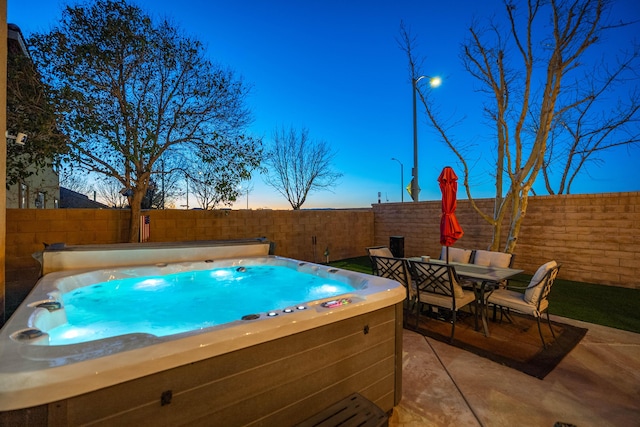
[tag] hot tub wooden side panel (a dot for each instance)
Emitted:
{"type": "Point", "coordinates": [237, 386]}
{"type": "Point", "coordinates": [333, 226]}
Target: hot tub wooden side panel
{"type": "Point", "coordinates": [280, 382]}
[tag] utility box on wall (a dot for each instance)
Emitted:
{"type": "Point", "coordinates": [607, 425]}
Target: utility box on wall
{"type": "Point", "coordinates": [396, 245]}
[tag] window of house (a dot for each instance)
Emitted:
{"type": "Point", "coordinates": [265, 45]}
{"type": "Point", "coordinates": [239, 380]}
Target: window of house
{"type": "Point", "coordinates": [40, 200]}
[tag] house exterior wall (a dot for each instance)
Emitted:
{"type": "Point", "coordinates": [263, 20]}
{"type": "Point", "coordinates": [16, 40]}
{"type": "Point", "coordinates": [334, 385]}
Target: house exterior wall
{"type": "Point", "coordinates": [45, 180]}
{"type": "Point", "coordinates": [3, 149]}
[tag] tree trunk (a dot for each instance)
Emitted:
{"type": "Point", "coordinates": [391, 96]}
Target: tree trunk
{"type": "Point", "coordinates": [519, 210]}
{"type": "Point", "coordinates": [134, 222]}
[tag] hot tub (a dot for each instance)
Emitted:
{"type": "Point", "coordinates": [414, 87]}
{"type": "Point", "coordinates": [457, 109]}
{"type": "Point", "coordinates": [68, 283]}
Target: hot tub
{"type": "Point", "coordinates": [274, 368]}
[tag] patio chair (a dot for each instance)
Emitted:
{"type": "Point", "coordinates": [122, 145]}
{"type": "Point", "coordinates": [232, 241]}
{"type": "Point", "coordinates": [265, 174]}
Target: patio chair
{"type": "Point", "coordinates": [462, 256]}
{"type": "Point", "coordinates": [493, 259]}
{"type": "Point", "coordinates": [383, 251]}
{"type": "Point", "coordinates": [395, 269]}
{"type": "Point", "coordinates": [438, 285]}
{"type": "Point", "coordinates": [535, 299]}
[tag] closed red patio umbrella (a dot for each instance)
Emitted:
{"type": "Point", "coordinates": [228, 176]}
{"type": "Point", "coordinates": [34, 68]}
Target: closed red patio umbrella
{"type": "Point", "coordinates": [450, 229]}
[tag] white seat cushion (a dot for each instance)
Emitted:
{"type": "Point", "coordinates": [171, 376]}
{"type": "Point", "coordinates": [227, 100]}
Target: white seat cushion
{"type": "Point", "coordinates": [532, 294]}
{"type": "Point", "coordinates": [456, 255]}
{"type": "Point", "coordinates": [384, 252]}
{"type": "Point", "coordinates": [446, 301]}
{"type": "Point", "coordinates": [457, 289]}
{"type": "Point", "coordinates": [492, 259]}
{"type": "Point", "coordinates": [515, 301]}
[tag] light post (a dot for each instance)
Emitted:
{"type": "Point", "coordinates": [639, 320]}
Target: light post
{"type": "Point", "coordinates": [401, 179]}
{"type": "Point", "coordinates": [242, 189]}
{"type": "Point", "coordinates": [186, 180]}
{"type": "Point", "coordinates": [433, 82]}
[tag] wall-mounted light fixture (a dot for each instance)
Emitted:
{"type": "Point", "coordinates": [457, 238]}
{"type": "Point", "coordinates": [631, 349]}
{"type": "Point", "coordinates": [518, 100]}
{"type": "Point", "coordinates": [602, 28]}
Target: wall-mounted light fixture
{"type": "Point", "coordinates": [19, 139]}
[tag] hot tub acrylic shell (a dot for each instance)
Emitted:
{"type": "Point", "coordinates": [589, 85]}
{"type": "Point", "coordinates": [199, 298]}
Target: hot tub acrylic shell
{"type": "Point", "coordinates": [305, 359]}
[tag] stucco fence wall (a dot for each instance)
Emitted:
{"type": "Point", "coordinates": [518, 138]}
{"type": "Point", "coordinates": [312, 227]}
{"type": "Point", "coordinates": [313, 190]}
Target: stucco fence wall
{"type": "Point", "coordinates": [595, 237]}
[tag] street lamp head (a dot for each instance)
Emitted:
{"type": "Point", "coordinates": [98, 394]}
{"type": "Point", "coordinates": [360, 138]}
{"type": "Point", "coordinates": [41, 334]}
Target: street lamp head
{"type": "Point", "coordinates": [433, 81]}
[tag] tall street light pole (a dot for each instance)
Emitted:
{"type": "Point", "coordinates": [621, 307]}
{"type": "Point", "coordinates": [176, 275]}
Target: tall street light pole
{"type": "Point", "coordinates": [401, 179]}
{"type": "Point", "coordinates": [186, 179]}
{"type": "Point", "coordinates": [433, 82]}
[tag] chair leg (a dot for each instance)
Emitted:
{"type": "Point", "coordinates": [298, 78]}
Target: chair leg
{"type": "Point", "coordinates": [544, 345]}
{"type": "Point", "coordinates": [549, 322]}
{"type": "Point", "coordinates": [453, 326]}
{"type": "Point", "coordinates": [495, 309]}
{"type": "Point", "coordinates": [409, 309]}
{"type": "Point", "coordinates": [506, 313]}
{"type": "Point", "coordinates": [475, 314]}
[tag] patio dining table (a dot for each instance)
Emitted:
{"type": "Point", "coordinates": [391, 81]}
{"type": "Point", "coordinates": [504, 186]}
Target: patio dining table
{"type": "Point", "coordinates": [481, 278]}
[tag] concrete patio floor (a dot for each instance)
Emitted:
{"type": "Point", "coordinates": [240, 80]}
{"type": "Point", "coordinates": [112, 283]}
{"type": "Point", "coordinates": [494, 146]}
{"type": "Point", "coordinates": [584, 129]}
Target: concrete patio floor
{"type": "Point", "coordinates": [596, 384]}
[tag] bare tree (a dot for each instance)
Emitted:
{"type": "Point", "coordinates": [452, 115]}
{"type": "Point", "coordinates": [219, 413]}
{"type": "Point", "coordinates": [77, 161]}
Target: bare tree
{"type": "Point", "coordinates": [216, 175]}
{"type": "Point", "coordinates": [74, 181]}
{"type": "Point", "coordinates": [525, 74]}
{"type": "Point", "coordinates": [208, 186]}
{"type": "Point", "coordinates": [298, 165]}
{"type": "Point", "coordinates": [110, 193]}
{"type": "Point", "coordinates": [128, 89]}
{"type": "Point", "coordinates": [169, 172]}
{"type": "Point", "coordinates": [583, 130]}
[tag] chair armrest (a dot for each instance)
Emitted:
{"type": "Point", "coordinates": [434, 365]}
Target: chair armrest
{"type": "Point", "coordinates": [510, 285]}
{"type": "Point", "coordinates": [526, 286]}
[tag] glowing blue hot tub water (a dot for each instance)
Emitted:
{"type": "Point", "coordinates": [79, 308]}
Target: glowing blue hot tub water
{"type": "Point", "coordinates": [175, 303]}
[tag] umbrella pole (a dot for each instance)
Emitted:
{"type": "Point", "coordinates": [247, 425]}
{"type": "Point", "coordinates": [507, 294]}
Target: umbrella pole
{"type": "Point", "coordinates": [447, 254]}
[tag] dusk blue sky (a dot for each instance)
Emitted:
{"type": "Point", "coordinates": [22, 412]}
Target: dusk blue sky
{"type": "Point", "coordinates": [335, 67]}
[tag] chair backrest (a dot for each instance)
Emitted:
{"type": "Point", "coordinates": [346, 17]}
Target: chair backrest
{"type": "Point", "coordinates": [541, 282]}
{"type": "Point", "coordinates": [379, 251]}
{"type": "Point", "coordinates": [462, 256]}
{"type": "Point", "coordinates": [492, 258]}
{"type": "Point", "coordinates": [440, 279]}
{"type": "Point", "coordinates": [394, 269]}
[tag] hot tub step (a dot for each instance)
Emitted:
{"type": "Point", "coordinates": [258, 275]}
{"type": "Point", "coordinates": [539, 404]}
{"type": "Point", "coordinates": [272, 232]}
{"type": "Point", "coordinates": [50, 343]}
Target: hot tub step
{"type": "Point", "coordinates": [351, 411]}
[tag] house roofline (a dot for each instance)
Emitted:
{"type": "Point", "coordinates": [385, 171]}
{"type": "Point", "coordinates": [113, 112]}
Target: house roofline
{"type": "Point", "coordinates": [15, 33]}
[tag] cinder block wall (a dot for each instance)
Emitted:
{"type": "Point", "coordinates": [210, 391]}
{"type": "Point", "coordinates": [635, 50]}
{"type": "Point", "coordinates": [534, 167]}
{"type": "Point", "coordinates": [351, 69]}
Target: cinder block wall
{"type": "Point", "coordinates": [344, 232]}
{"type": "Point", "coordinates": [596, 237]}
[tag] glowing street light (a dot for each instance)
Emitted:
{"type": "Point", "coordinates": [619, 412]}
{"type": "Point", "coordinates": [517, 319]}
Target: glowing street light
{"type": "Point", "coordinates": [433, 82]}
